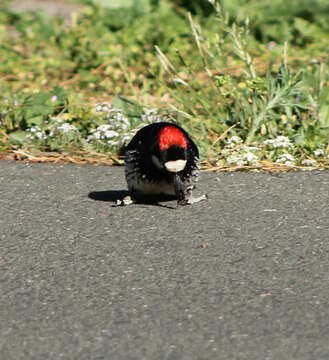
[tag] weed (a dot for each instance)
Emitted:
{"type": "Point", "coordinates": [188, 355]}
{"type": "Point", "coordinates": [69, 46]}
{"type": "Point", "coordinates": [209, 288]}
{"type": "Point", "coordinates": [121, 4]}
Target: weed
{"type": "Point", "coordinates": [251, 91]}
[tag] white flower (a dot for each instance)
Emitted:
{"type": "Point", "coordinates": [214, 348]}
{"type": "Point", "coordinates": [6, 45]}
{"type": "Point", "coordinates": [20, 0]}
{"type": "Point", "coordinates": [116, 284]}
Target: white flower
{"type": "Point", "coordinates": [104, 127]}
{"type": "Point", "coordinates": [250, 157]}
{"type": "Point", "coordinates": [104, 107]}
{"type": "Point", "coordinates": [117, 119]}
{"type": "Point", "coordinates": [235, 159]}
{"type": "Point", "coordinates": [66, 127]}
{"type": "Point", "coordinates": [102, 133]}
{"type": "Point", "coordinates": [250, 148]}
{"type": "Point", "coordinates": [286, 159]}
{"type": "Point", "coordinates": [36, 133]}
{"type": "Point", "coordinates": [318, 152]}
{"type": "Point", "coordinates": [127, 137]}
{"type": "Point", "coordinates": [241, 159]}
{"type": "Point", "coordinates": [110, 134]}
{"type": "Point", "coordinates": [113, 143]}
{"type": "Point", "coordinates": [151, 116]}
{"type": "Point", "coordinates": [280, 141]}
{"type": "Point", "coordinates": [234, 140]}
{"type": "Point", "coordinates": [40, 135]}
{"type": "Point", "coordinates": [34, 129]}
{"type": "Point", "coordinates": [97, 135]}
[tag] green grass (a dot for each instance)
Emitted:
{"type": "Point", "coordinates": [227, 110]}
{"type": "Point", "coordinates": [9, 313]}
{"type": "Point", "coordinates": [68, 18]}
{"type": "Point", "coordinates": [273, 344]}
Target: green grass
{"type": "Point", "coordinates": [253, 92]}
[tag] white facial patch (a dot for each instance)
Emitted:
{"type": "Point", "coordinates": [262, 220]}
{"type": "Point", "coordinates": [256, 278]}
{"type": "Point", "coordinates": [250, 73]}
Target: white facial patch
{"type": "Point", "coordinates": [175, 165]}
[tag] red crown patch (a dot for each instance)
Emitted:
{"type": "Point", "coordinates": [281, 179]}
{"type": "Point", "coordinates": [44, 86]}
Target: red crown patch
{"type": "Point", "coordinates": [171, 135]}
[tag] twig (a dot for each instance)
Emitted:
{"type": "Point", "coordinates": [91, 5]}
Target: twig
{"type": "Point", "coordinates": [223, 135]}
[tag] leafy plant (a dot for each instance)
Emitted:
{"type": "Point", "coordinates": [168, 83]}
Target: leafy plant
{"type": "Point", "coordinates": [222, 76]}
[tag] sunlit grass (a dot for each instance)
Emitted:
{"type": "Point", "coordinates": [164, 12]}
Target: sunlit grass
{"type": "Point", "coordinates": [238, 85]}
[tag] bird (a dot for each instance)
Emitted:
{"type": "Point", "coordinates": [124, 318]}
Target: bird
{"type": "Point", "coordinates": [161, 162]}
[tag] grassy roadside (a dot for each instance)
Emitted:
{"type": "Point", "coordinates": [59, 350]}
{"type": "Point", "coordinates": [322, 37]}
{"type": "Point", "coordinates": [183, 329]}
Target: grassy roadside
{"type": "Point", "coordinates": [253, 91]}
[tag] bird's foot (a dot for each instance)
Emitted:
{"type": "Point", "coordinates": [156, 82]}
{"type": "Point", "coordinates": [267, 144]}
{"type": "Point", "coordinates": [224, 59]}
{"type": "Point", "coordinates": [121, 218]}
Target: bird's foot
{"type": "Point", "coordinates": [192, 200]}
{"type": "Point", "coordinates": [127, 200]}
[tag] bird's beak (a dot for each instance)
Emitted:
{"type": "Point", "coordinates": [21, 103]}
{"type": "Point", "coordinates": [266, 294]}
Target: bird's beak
{"type": "Point", "coordinates": [175, 165]}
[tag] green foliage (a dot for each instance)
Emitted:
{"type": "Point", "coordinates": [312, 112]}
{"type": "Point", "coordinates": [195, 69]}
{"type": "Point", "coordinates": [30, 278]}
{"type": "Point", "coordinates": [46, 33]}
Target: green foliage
{"type": "Point", "coordinates": [297, 21]}
{"type": "Point", "coordinates": [89, 83]}
{"type": "Point", "coordinates": [202, 7]}
{"type": "Point", "coordinates": [252, 105]}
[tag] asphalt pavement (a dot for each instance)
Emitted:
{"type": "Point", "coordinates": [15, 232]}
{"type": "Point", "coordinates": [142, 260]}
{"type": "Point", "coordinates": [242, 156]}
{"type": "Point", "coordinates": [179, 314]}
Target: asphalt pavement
{"type": "Point", "coordinates": [242, 275]}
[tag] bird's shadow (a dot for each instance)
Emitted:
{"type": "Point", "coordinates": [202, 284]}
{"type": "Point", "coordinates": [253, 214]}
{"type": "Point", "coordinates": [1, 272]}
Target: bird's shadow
{"type": "Point", "coordinates": [108, 195]}
{"type": "Point", "coordinates": [114, 195]}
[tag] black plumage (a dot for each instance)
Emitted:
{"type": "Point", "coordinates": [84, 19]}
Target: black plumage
{"type": "Point", "coordinates": [162, 161]}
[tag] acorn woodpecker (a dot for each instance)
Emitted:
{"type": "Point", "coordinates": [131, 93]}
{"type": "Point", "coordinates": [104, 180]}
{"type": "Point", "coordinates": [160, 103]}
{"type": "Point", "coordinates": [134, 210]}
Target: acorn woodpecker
{"type": "Point", "coordinates": [162, 162]}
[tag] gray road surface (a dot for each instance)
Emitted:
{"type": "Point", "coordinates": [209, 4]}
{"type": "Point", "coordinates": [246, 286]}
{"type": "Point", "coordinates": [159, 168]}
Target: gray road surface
{"type": "Point", "coordinates": [243, 275]}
